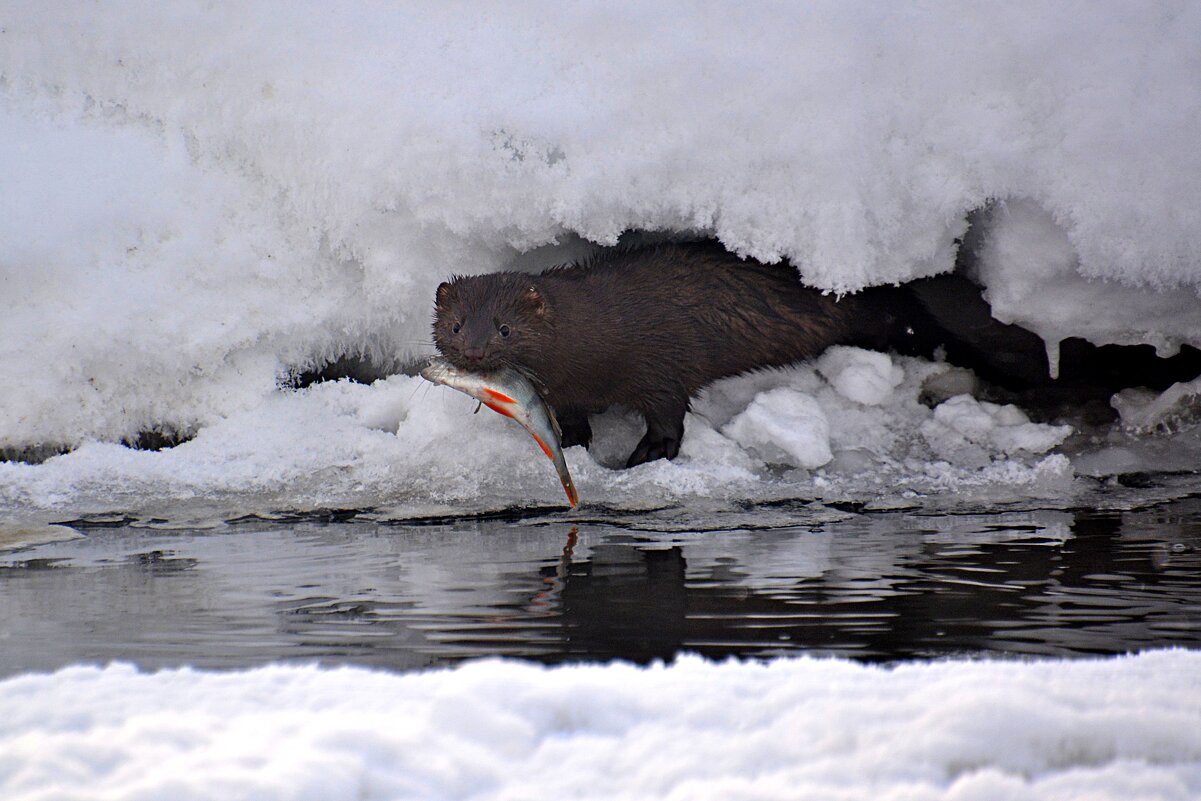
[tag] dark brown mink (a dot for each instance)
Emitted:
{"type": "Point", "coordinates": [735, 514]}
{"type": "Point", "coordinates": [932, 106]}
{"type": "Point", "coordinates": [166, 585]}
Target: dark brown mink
{"type": "Point", "coordinates": [646, 329]}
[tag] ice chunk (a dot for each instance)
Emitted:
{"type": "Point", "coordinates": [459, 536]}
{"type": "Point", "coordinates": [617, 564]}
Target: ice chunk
{"type": "Point", "coordinates": [966, 431]}
{"type": "Point", "coordinates": [864, 376]}
{"type": "Point", "coordinates": [784, 425]}
{"type": "Point", "coordinates": [15, 535]}
{"type": "Point", "coordinates": [1143, 410]}
{"type": "Point", "coordinates": [947, 383]}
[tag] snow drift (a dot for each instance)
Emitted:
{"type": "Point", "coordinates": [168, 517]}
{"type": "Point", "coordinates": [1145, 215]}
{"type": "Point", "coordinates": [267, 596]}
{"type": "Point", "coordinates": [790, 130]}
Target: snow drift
{"type": "Point", "coordinates": [200, 201]}
{"type": "Point", "coordinates": [1117, 729]}
{"type": "Point", "coordinates": [416, 450]}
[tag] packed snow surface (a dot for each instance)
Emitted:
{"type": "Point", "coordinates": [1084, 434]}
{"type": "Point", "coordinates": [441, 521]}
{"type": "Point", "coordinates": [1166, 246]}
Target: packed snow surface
{"type": "Point", "coordinates": [201, 200]}
{"type": "Point", "coordinates": [416, 448]}
{"type": "Point", "coordinates": [1111, 730]}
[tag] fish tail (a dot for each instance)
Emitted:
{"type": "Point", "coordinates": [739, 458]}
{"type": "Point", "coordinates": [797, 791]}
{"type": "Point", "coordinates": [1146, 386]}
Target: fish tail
{"type": "Point", "coordinates": [573, 497]}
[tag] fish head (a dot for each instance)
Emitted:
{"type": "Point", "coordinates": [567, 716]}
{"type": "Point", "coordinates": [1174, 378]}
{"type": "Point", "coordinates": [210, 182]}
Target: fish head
{"type": "Point", "coordinates": [438, 370]}
{"type": "Point", "coordinates": [483, 322]}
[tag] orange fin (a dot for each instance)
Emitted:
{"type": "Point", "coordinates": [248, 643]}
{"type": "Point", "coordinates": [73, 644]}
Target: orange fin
{"type": "Point", "coordinates": [500, 396]}
{"type": "Point", "coordinates": [498, 409]}
{"type": "Point", "coordinates": [542, 445]}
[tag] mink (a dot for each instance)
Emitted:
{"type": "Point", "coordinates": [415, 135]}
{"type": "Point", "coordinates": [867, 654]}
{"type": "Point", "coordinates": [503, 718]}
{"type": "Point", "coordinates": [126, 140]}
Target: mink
{"type": "Point", "coordinates": [647, 328]}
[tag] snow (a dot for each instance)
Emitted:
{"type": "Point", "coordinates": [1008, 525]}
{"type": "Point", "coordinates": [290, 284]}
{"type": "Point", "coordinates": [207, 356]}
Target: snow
{"type": "Point", "coordinates": [1121, 728]}
{"type": "Point", "coordinates": [417, 449]}
{"type": "Point", "coordinates": [863, 376]}
{"type": "Point", "coordinates": [964, 431]}
{"type": "Point", "coordinates": [1034, 279]}
{"type": "Point", "coordinates": [783, 424]}
{"type": "Point", "coordinates": [1158, 431]}
{"type": "Point", "coordinates": [201, 201]}
{"type": "Point", "coordinates": [1143, 410]}
{"type": "Point", "coordinates": [15, 537]}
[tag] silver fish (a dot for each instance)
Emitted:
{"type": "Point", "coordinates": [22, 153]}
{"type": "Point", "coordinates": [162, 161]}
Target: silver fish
{"type": "Point", "coordinates": [506, 391]}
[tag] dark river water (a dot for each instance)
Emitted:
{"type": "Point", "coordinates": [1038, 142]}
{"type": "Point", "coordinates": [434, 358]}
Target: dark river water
{"type": "Point", "coordinates": [342, 589]}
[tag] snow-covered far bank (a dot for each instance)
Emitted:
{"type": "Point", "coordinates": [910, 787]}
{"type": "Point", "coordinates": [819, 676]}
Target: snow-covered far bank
{"type": "Point", "coordinates": [410, 448]}
{"type": "Point", "coordinates": [855, 426]}
{"type": "Point", "coordinates": [198, 200]}
{"type": "Point", "coordinates": [1121, 729]}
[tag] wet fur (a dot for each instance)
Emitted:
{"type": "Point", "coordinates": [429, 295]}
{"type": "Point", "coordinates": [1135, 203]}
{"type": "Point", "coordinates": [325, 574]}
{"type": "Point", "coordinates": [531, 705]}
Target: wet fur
{"type": "Point", "coordinates": [647, 329]}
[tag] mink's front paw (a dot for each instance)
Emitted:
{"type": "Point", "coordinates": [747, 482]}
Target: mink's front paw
{"type": "Point", "coordinates": [652, 447]}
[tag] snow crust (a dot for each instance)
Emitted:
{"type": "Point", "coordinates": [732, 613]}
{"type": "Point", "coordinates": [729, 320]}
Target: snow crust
{"type": "Point", "coordinates": [200, 200]}
{"type": "Point", "coordinates": [417, 449]}
{"type": "Point", "coordinates": [1120, 729]}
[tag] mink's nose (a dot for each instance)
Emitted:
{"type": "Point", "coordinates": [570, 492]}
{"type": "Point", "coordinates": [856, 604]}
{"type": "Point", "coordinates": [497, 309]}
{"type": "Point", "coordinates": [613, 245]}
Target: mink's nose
{"type": "Point", "coordinates": [473, 354]}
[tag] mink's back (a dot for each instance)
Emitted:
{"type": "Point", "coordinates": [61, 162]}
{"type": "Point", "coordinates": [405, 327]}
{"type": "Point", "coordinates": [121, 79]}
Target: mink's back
{"type": "Point", "coordinates": [643, 326]}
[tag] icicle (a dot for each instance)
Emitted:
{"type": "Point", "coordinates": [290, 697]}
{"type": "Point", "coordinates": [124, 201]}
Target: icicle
{"type": "Point", "coordinates": [1052, 346]}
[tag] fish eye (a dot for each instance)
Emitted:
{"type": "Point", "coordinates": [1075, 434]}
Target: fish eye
{"type": "Point", "coordinates": [456, 328]}
{"type": "Point", "coordinates": [504, 330]}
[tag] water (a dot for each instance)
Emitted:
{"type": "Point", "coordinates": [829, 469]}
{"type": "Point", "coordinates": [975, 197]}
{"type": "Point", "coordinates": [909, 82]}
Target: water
{"type": "Point", "coordinates": [343, 589]}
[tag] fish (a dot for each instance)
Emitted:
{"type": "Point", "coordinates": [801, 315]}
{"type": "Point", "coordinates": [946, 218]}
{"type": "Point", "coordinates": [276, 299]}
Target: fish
{"type": "Point", "coordinates": [508, 392]}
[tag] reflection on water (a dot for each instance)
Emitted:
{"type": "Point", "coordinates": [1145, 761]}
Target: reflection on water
{"type": "Point", "coordinates": [875, 587]}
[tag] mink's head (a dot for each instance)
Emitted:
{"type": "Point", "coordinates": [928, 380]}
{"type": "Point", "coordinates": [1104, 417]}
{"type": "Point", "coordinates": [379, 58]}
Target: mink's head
{"type": "Point", "coordinates": [482, 322]}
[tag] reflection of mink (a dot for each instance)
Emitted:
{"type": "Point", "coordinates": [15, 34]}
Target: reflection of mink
{"type": "Point", "coordinates": [646, 329]}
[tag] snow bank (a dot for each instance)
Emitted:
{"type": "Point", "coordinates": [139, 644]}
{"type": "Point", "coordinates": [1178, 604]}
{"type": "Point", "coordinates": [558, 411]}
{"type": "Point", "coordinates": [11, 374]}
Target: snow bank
{"type": "Point", "coordinates": [199, 199]}
{"type": "Point", "coordinates": [1123, 728]}
{"type": "Point", "coordinates": [416, 449]}
{"type": "Point", "coordinates": [199, 202]}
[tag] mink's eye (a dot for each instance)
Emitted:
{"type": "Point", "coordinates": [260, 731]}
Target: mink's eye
{"type": "Point", "coordinates": [456, 328]}
{"type": "Point", "coordinates": [504, 331]}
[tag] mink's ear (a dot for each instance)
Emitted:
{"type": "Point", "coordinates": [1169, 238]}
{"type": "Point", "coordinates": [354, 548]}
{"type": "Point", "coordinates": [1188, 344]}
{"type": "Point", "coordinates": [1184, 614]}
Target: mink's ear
{"type": "Point", "coordinates": [534, 298]}
{"type": "Point", "coordinates": [445, 296]}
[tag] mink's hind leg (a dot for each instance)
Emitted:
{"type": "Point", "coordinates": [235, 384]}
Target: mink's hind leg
{"type": "Point", "coordinates": [576, 429]}
{"type": "Point", "coordinates": [664, 430]}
